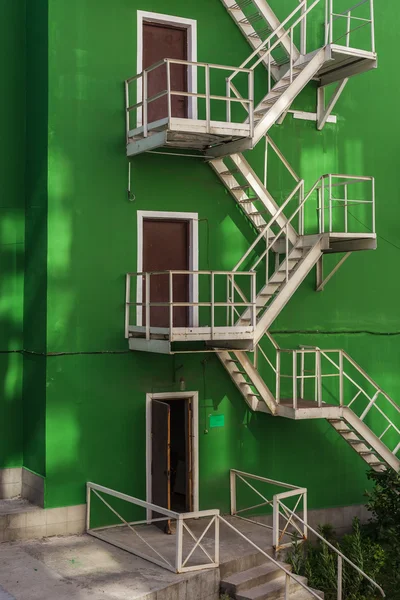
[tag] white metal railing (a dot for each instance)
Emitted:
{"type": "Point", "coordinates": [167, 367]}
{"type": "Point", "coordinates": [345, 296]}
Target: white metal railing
{"type": "Point", "coordinates": [352, 22]}
{"type": "Point", "coordinates": [277, 503]}
{"type": "Point", "coordinates": [178, 561]}
{"type": "Point", "coordinates": [332, 205]}
{"type": "Point", "coordinates": [331, 377]}
{"type": "Point", "coordinates": [337, 220]}
{"type": "Point", "coordinates": [217, 291]}
{"type": "Point", "coordinates": [263, 52]}
{"type": "Point", "coordinates": [209, 96]}
{"type": "Point", "coordinates": [301, 529]}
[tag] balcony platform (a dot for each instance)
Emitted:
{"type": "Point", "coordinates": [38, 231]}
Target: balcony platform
{"type": "Point", "coordinates": [192, 134]}
{"type": "Point", "coordinates": [164, 341]}
{"type": "Point", "coordinates": [308, 409]}
{"type": "Point", "coordinates": [342, 62]}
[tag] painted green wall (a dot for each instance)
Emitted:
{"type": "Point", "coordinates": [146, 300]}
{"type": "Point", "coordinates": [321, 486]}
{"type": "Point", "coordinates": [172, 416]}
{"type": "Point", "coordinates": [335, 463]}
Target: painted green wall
{"type": "Point", "coordinates": [93, 402]}
{"type": "Point", "coordinates": [12, 200]}
{"type": "Point", "coordinates": [35, 297]}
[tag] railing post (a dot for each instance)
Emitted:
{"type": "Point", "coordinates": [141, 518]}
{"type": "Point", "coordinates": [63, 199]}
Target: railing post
{"type": "Point", "coordinates": [330, 21]}
{"type": "Point", "coordinates": [212, 304]}
{"type": "Point", "coordinates": [345, 209]}
{"type": "Point", "coordinates": [147, 288]}
{"type": "Point", "coordinates": [145, 105]}
{"type": "Point", "coordinates": [348, 29]}
{"type": "Point", "coordinates": [326, 22]}
{"type": "Point", "coordinates": [171, 303]}
{"type": "Point", "coordinates": [254, 299]}
{"type": "Point", "coordinates": [287, 587]}
{"type": "Point", "coordinates": [208, 101]}
{"type": "Point", "coordinates": [278, 377]}
{"type": "Point", "coordinates": [301, 215]}
{"type": "Point", "coordinates": [339, 577]}
{"type": "Point", "coordinates": [372, 26]}
{"type": "Point", "coordinates": [169, 99]}
{"type": "Point", "coordinates": [269, 66]}
{"type": "Point", "coordinates": [266, 161]}
{"type": "Point", "coordinates": [291, 54]}
{"type": "Point", "coordinates": [302, 357]}
{"type": "Point", "coordinates": [319, 378]}
{"type": "Point", "coordinates": [303, 43]}
{"type": "Point", "coordinates": [275, 522]}
{"type": "Point", "coordinates": [323, 205]}
{"type": "Point", "coordinates": [228, 102]}
{"type": "Point", "coordinates": [287, 252]}
{"type": "Point", "coordinates": [330, 203]}
{"type": "Point", "coordinates": [295, 379]}
{"type": "Point", "coordinates": [127, 304]}
{"type": "Point", "coordinates": [341, 377]}
{"type": "Point", "coordinates": [216, 533]}
{"type": "Point", "coordinates": [233, 299]}
{"type": "Point", "coordinates": [305, 515]}
{"type": "Point", "coordinates": [251, 105]}
{"type": "Point", "coordinates": [179, 544]}
{"type": "Point", "coordinates": [373, 204]}
{"type": "Point", "coordinates": [127, 119]}
{"type": "Point", "coordinates": [87, 507]}
{"type": "Point", "coordinates": [233, 492]}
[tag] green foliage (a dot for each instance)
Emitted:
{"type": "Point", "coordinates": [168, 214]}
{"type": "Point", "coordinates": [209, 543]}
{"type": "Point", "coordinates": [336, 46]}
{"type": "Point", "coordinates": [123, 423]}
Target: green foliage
{"type": "Point", "coordinates": [384, 528]}
{"type": "Point", "coordinates": [319, 563]}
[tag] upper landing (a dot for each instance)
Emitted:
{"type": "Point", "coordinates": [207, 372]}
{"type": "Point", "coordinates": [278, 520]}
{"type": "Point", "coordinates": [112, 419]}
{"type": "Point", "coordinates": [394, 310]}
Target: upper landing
{"type": "Point", "coordinates": [213, 105]}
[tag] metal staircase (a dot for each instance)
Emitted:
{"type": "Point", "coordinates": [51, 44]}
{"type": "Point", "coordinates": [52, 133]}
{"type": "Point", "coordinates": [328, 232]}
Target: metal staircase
{"type": "Point", "coordinates": [352, 403]}
{"type": "Point", "coordinates": [291, 235]}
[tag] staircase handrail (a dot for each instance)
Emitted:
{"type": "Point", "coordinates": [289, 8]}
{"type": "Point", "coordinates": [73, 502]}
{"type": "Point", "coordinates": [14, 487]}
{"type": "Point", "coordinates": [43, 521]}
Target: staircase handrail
{"type": "Point", "coordinates": [269, 225]}
{"type": "Point", "coordinates": [288, 574]}
{"type": "Point", "coordinates": [342, 374]}
{"type": "Point", "coordinates": [267, 41]}
{"type": "Point", "coordinates": [339, 554]}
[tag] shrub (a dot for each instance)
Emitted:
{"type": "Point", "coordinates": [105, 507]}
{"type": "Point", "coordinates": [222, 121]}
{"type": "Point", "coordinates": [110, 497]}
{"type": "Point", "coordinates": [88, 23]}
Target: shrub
{"type": "Point", "coordinates": [319, 563]}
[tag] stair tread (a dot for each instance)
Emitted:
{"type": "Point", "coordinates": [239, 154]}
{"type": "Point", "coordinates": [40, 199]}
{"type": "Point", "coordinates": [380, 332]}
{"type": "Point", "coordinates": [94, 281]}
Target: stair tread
{"type": "Point", "coordinates": [271, 587]}
{"type": "Point", "coordinates": [250, 574]}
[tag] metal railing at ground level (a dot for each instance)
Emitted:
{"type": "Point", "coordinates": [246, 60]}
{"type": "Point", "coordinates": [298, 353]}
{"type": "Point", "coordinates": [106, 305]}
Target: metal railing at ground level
{"type": "Point", "coordinates": [184, 552]}
{"type": "Point", "coordinates": [277, 504]}
{"type": "Point", "coordinates": [301, 528]}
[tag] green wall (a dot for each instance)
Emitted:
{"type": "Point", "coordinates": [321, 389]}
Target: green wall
{"type": "Point", "coordinates": [12, 201]}
{"type": "Point", "coordinates": [87, 407]}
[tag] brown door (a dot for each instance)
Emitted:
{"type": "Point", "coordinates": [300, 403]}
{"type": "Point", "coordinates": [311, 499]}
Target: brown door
{"type": "Point", "coordinates": [166, 248]}
{"type": "Point", "coordinates": [160, 452]}
{"type": "Point", "coordinates": [159, 42]}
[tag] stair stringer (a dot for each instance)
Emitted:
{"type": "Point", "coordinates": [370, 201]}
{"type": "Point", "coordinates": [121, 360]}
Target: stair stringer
{"type": "Point", "coordinates": [366, 434]}
{"type": "Point", "coordinates": [273, 22]}
{"type": "Point", "coordinates": [271, 117]}
{"type": "Point", "coordinates": [267, 402]}
{"type": "Point", "coordinates": [241, 197]}
{"type": "Point", "coordinates": [288, 96]}
{"type": "Point", "coordinates": [283, 297]}
{"type": "Point", "coordinates": [249, 32]}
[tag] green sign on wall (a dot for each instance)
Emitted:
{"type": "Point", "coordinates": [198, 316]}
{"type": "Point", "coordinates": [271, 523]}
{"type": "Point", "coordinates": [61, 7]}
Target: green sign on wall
{"type": "Point", "coordinates": [217, 420]}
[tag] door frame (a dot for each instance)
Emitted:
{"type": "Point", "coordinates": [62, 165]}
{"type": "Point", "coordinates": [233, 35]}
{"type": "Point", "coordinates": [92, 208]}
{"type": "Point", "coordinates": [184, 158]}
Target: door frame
{"type": "Point", "coordinates": [191, 26]}
{"type": "Point", "coordinates": [194, 397]}
{"type": "Point", "coordinates": [193, 219]}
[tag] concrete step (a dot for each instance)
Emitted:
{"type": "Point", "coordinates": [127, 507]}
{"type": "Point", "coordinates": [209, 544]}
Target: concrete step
{"type": "Point", "coordinates": [245, 580]}
{"type": "Point", "coordinates": [272, 590]}
{"type": "Point", "coordinates": [246, 561]}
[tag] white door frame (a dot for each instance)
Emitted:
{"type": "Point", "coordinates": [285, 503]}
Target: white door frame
{"type": "Point", "coordinates": [194, 396]}
{"type": "Point", "coordinates": [191, 26]}
{"type": "Point", "coordinates": [193, 219]}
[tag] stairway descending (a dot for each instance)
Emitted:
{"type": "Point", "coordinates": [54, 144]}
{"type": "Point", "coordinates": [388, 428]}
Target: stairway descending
{"type": "Point", "coordinates": [264, 582]}
{"type": "Point", "coordinates": [256, 20]}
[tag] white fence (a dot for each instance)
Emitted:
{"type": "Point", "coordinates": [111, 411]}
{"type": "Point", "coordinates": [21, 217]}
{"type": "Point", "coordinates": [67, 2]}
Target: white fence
{"type": "Point", "coordinates": [186, 541]}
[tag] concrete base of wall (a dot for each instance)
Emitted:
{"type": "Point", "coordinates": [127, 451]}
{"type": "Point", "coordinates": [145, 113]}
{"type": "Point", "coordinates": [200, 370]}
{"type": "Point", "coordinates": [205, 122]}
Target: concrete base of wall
{"type": "Point", "coordinates": [22, 483]}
